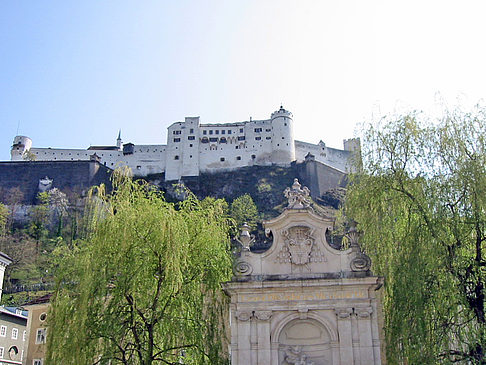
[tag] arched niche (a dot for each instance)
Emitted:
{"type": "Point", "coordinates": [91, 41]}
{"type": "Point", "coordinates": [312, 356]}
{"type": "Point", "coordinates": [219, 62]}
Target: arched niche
{"type": "Point", "coordinates": [304, 341]}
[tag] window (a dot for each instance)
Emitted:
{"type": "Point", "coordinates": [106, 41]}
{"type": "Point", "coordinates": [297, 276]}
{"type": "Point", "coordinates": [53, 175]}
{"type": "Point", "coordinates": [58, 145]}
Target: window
{"type": "Point", "coordinates": [210, 131]}
{"type": "Point", "coordinates": [229, 131]}
{"type": "Point", "coordinates": [18, 311]}
{"type": "Point", "coordinates": [205, 132]}
{"type": "Point", "coordinates": [213, 140]}
{"type": "Point", "coordinates": [223, 140]}
{"type": "Point", "coordinates": [191, 130]}
{"type": "Point", "coordinates": [217, 131]}
{"type": "Point", "coordinates": [13, 351]}
{"type": "Point", "coordinates": [15, 333]}
{"type": "Point", "coordinates": [222, 159]}
{"type": "Point", "coordinates": [241, 130]}
{"type": "Point", "coordinates": [177, 132]}
{"type": "Point", "coordinates": [40, 336]}
{"type": "Point", "coordinates": [241, 138]}
{"type": "Point", "coordinates": [258, 138]}
{"type": "Point", "coordinates": [1, 352]}
{"type": "Point", "coordinates": [285, 124]}
{"type": "Point", "coordinates": [268, 130]}
{"type": "Point", "coordinates": [258, 130]}
{"type": "Point", "coordinates": [37, 362]}
{"type": "Point", "coordinates": [191, 138]}
{"type": "Point", "coordinates": [3, 331]}
{"type": "Point", "coordinates": [236, 147]}
{"type": "Point", "coordinates": [253, 156]}
{"type": "Point", "coordinates": [223, 131]}
{"type": "Point", "coordinates": [177, 139]}
{"type": "Point", "coordinates": [139, 167]}
{"type": "Point", "coordinates": [176, 157]}
{"type": "Point", "coordinates": [190, 145]}
{"type": "Point", "coordinates": [238, 158]}
{"type": "Point", "coordinates": [204, 140]}
{"type": "Point", "coordinates": [268, 137]}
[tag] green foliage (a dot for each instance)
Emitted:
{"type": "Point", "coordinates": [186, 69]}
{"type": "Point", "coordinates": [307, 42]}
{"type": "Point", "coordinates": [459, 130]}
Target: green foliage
{"type": "Point", "coordinates": [39, 217]}
{"type": "Point", "coordinates": [420, 200]}
{"type": "Point", "coordinates": [29, 156]}
{"type": "Point", "coordinates": [243, 209]}
{"type": "Point", "coordinates": [4, 213]}
{"type": "Point", "coordinates": [144, 287]}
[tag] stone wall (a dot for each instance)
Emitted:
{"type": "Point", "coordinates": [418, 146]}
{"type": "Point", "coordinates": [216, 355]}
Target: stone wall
{"type": "Point", "coordinates": [75, 176]}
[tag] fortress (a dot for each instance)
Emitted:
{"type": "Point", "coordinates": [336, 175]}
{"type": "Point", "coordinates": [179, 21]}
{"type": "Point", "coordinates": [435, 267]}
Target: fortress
{"type": "Point", "coordinates": [193, 148]}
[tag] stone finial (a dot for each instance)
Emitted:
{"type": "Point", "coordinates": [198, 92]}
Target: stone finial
{"type": "Point", "coordinates": [245, 239]}
{"type": "Point", "coordinates": [353, 235]}
{"type": "Point", "coordinates": [299, 198]}
{"type": "Point", "coordinates": [361, 261]}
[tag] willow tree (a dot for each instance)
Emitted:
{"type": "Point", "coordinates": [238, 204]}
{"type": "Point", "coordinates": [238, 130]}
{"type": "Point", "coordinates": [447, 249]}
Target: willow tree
{"type": "Point", "coordinates": [420, 199]}
{"type": "Point", "coordinates": [144, 287]}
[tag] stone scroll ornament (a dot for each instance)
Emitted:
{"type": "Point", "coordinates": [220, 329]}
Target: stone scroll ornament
{"type": "Point", "coordinates": [299, 198]}
{"type": "Point", "coordinates": [294, 355]}
{"type": "Point", "coordinates": [242, 268]}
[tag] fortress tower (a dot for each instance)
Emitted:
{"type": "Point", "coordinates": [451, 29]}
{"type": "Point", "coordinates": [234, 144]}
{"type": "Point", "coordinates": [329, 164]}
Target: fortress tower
{"type": "Point", "coordinates": [21, 144]}
{"type": "Point", "coordinates": [283, 146]}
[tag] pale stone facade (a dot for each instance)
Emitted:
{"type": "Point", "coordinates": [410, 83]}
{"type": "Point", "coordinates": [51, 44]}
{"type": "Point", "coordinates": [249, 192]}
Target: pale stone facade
{"type": "Point", "coordinates": [302, 301]}
{"type": "Point", "coordinates": [193, 148]}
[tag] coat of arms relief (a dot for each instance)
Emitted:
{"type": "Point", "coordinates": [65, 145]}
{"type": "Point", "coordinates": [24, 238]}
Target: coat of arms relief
{"type": "Point", "coordinates": [299, 247]}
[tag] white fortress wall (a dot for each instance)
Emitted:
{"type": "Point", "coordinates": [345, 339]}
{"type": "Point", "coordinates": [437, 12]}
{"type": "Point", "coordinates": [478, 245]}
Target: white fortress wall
{"type": "Point", "coordinates": [193, 148]}
{"type": "Point", "coordinates": [145, 159]}
{"type": "Point", "coordinates": [327, 155]}
{"type": "Point", "coordinates": [173, 166]}
{"type": "Point", "coordinates": [222, 146]}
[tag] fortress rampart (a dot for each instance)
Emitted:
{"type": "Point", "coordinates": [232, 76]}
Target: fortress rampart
{"type": "Point", "coordinates": [193, 148]}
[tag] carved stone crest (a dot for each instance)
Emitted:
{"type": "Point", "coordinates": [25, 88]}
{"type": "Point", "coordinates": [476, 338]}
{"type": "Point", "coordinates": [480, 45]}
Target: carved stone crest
{"type": "Point", "coordinates": [298, 197]}
{"type": "Point", "coordinates": [299, 244]}
{"type": "Point", "coordinates": [299, 247]}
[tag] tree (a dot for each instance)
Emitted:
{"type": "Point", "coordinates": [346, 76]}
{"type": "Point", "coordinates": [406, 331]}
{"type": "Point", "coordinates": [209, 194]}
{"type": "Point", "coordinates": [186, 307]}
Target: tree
{"type": "Point", "coordinates": [244, 210]}
{"type": "Point", "coordinates": [14, 198]}
{"type": "Point", "coordinates": [39, 217]}
{"type": "Point", "coordinates": [420, 199]}
{"type": "Point", "coordinates": [4, 213]}
{"type": "Point", "coordinates": [144, 287]}
{"type": "Point", "coordinates": [29, 156]}
{"type": "Point", "coordinates": [59, 203]}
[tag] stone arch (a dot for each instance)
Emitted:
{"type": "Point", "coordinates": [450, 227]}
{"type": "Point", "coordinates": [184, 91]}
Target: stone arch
{"type": "Point", "coordinates": [325, 323]}
{"type": "Point", "coordinates": [304, 339]}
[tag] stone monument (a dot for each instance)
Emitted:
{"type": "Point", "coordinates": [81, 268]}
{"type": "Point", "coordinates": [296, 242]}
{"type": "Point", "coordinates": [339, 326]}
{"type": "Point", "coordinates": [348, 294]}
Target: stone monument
{"type": "Point", "coordinates": [302, 301]}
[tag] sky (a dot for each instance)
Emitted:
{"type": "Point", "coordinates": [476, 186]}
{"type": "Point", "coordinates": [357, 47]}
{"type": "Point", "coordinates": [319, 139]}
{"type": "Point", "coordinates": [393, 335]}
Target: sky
{"type": "Point", "coordinates": [74, 73]}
